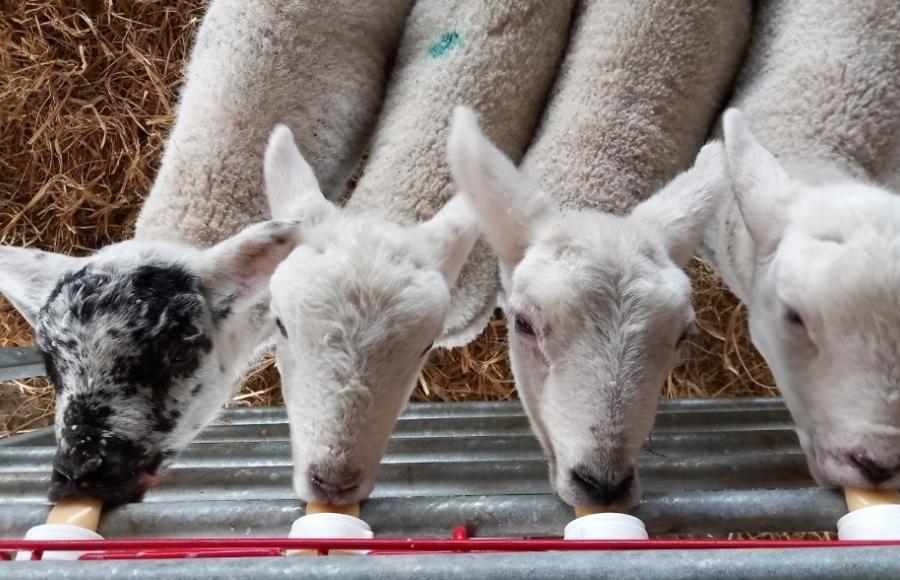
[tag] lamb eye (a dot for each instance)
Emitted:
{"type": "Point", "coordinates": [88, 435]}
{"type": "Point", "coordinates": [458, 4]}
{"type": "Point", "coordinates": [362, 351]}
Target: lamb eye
{"type": "Point", "coordinates": [793, 317]}
{"type": "Point", "coordinates": [523, 326]}
{"type": "Point", "coordinates": [281, 328]}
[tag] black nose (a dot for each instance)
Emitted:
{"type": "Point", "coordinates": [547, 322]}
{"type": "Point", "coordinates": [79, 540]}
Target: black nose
{"type": "Point", "coordinates": [332, 485]}
{"type": "Point", "coordinates": [872, 470]}
{"type": "Point", "coordinates": [603, 491]}
{"type": "Point", "coordinates": [104, 467]}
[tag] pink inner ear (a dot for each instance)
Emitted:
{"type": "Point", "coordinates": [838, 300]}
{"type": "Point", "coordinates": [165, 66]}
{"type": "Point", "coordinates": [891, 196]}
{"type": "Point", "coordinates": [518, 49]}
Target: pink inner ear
{"type": "Point", "coordinates": [257, 264]}
{"type": "Point", "coordinates": [243, 264]}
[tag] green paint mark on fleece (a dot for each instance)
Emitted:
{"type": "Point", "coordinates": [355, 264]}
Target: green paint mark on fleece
{"type": "Point", "coordinates": [447, 42]}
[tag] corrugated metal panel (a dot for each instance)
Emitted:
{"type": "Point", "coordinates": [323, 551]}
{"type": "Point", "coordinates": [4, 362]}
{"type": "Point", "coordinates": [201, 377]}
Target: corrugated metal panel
{"type": "Point", "coordinates": [541, 515]}
{"type": "Point", "coordinates": [795, 564]}
{"type": "Point", "coordinates": [20, 363]}
{"type": "Point", "coordinates": [710, 466]}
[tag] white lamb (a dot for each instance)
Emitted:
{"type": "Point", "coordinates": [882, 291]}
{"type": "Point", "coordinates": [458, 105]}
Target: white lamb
{"type": "Point", "coordinates": [598, 307]}
{"type": "Point", "coordinates": [812, 243]}
{"type": "Point", "coordinates": [358, 305]}
{"type": "Point", "coordinates": [597, 304]}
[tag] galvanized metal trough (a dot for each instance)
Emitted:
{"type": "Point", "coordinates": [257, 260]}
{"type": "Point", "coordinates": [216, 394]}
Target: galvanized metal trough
{"type": "Point", "coordinates": [710, 467]}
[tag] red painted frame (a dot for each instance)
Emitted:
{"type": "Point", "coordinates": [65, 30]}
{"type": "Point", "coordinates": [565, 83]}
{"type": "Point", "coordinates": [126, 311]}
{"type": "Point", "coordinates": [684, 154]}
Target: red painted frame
{"type": "Point", "coordinates": [156, 548]}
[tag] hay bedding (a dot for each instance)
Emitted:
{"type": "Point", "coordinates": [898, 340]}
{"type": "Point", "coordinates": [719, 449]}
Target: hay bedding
{"type": "Point", "coordinates": [87, 93]}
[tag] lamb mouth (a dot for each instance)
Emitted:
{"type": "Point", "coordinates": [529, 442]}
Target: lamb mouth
{"type": "Point", "coordinates": [147, 480]}
{"type": "Point", "coordinates": [148, 477]}
{"type": "Point", "coordinates": [131, 490]}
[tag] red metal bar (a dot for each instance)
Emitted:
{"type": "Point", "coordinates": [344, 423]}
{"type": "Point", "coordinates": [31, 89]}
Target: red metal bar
{"type": "Point", "coordinates": [181, 554]}
{"type": "Point", "coordinates": [414, 544]}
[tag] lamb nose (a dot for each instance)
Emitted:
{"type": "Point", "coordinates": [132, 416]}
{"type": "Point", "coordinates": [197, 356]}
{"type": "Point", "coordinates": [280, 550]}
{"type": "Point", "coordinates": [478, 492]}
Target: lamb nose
{"type": "Point", "coordinates": [333, 486]}
{"type": "Point", "coordinates": [86, 469]}
{"type": "Point", "coordinates": [872, 470]}
{"type": "Point", "coordinates": [67, 469]}
{"type": "Point", "coordinates": [603, 491]}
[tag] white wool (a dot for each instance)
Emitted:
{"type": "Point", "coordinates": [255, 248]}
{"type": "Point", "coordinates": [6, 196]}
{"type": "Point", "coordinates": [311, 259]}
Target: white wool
{"type": "Point", "coordinates": [500, 57]}
{"type": "Point", "coordinates": [319, 67]}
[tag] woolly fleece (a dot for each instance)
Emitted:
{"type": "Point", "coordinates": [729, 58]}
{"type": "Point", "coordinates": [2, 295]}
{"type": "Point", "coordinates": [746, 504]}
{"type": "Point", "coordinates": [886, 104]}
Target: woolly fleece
{"type": "Point", "coordinates": [319, 67]}
{"type": "Point", "coordinates": [641, 84]}
{"type": "Point", "coordinates": [499, 57]}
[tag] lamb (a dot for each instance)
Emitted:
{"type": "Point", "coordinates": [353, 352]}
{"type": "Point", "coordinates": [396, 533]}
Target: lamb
{"type": "Point", "coordinates": [597, 304]}
{"type": "Point", "coordinates": [144, 341]}
{"type": "Point", "coordinates": [358, 306]}
{"type": "Point", "coordinates": [811, 243]}
{"type": "Point", "coordinates": [595, 297]}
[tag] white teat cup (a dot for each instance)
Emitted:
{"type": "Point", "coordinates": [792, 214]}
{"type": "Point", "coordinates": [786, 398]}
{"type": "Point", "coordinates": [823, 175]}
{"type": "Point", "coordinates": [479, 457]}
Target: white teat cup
{"type": "Point", "coordinates": [330, 525]}
{"type": "Point", "coordinates": [874, 522]}
{"type": "Point", "coordinates": [58, 532]}
{"type": "Point", "coordinates": [606, 526]}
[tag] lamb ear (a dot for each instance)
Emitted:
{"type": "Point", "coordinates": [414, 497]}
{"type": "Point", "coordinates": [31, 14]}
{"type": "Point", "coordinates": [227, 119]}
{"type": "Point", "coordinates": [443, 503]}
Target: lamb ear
{"type": "Point", "coordinates": [236, 271]}
{"type": "Point", "coordinates": [760, 183]}
{"type": "Point", "coordinates": [452, 232]}
{"type": "Point", "coordinates": [27, 277]}
{"type": "Point", "coordinates": [681, 210]}
{"type": "Point", "coordinates": [509, 206]}
{"type": "Point", "coordinates": [291, 186]}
